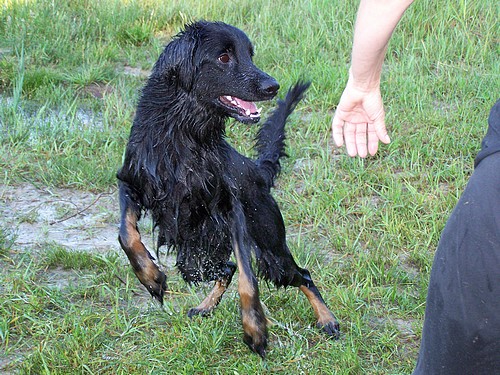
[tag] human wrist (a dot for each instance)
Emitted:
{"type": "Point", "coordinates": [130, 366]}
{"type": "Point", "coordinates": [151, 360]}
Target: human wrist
{"type": "Point", "coordinates": [364, 82]}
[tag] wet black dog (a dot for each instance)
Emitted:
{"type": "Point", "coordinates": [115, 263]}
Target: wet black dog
{"type": "Point", "coordinates": [207, 200]}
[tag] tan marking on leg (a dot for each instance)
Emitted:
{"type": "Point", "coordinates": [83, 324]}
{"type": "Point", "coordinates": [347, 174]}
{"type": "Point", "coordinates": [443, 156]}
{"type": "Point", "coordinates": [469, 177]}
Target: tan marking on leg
{"type": "Point", "coordinates": [322, 312]}
{"type": "Point", "coordinates": [252, 315]}
{"type": "Point", "coordinates": [133, 235]}
{"type": "Point", "coordinates": [245, 287]}
{"type": "Point", "coordinates": [213, 298]}
{"type": "Point", "coordinates": [144, 268]}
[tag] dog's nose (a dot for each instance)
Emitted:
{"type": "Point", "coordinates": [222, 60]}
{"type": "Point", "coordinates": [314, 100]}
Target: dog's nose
{"type": "Point", "coordinates": [270, 87]}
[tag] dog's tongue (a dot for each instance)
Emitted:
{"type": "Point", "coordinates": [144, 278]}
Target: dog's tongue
{"type": "Point", "coordinates": [248, 107]}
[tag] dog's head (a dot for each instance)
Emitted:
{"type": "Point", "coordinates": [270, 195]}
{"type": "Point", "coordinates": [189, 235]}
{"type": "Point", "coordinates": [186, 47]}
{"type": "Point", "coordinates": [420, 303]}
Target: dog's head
{"type": "Point", "coordinates": [213, 62]}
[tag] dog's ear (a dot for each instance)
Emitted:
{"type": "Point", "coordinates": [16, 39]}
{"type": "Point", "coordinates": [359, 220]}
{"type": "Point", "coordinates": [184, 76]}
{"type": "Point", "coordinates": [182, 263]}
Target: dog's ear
{"type": "Point", "coordinates": [176, 65]}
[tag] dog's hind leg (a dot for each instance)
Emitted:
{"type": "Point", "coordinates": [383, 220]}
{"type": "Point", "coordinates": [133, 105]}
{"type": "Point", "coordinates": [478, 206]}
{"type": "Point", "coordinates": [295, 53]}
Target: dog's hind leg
{"type": "Point", "coordinates": [141, 260]}
{"type": "Point", "coordinates": [214, 297]}
{"type": "Point", "coordinates": [280, 268]}
{"type": "Point", "coordinates": [326, 320]}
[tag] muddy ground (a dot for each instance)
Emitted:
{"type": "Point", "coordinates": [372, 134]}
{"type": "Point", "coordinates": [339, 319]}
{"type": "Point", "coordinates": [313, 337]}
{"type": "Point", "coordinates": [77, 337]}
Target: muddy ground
{"type": "Point", "coordinates": [70, 218]}
{"type": "Point", "coordinates": [73, 219]}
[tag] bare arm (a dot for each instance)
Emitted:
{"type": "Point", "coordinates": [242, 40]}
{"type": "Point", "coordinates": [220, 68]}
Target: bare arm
{"type": "Point", "coordinates": [360, 116]}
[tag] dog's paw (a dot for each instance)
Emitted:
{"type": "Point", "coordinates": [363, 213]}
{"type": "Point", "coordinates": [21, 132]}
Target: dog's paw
{"type": "Point", "coordinates": [255, 329]}
{"type": "Point", "coordinates": [256, 343]}
{"type": "Point", "coordinates": [197, 311]}
{"type": "Point", "coordinates": [157, 286]}
{"type": "Point", "coordinates": [331, 328]}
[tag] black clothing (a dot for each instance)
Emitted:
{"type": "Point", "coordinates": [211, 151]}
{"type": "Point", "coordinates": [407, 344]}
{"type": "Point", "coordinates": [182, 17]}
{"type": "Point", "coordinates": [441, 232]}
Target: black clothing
{"type": "Point", "coordinates": [491, 141]}
{"type": "Point", "coordinates": [461, 333]}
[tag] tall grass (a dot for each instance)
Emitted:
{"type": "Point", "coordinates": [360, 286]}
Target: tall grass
{"type": "Point", "coordinates": [367, 229]}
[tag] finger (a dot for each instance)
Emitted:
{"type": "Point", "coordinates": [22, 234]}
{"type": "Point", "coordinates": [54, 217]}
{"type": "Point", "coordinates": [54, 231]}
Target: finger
{"type": "Point", "coordinates": [361, 140]}
{"type": "Point", "coordinates": [372, 140]}
{"type": "Point", "coordinates": [350, 138]}
{"type": "Point", "coordinates": [338, 131]}
{"type": "Point", "coordinates": [381, 131]}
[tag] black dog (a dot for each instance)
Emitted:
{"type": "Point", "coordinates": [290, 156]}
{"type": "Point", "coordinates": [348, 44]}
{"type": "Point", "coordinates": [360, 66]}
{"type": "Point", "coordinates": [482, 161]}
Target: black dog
{"type": "Point", "coordinates": [207, 200]}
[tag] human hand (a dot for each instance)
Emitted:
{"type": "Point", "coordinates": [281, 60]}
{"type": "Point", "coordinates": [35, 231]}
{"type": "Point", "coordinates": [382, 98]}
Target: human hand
{"type": "Point", "coordinates": [360, 121]}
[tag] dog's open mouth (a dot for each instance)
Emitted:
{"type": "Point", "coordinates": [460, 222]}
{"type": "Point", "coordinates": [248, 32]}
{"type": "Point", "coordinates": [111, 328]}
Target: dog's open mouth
{"type": "Point", "coordinates": [243, 111]}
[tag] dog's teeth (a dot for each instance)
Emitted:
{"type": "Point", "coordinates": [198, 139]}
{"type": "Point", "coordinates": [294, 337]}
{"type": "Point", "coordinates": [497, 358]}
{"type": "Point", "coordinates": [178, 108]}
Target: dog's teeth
{"type": "Point", "coordinates": [256, 113]}
{"type": "Point", "coordinates": [230, 99]}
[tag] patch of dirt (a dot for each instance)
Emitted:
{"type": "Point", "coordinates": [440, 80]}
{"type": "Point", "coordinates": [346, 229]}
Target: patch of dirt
{"type": "Point", "coordinates": [136, 72]}
{"type": "Point", "coordinates": [72, 219]}
{"type": "Point", "coordinates": [75, 220]}
{"type": "Point", "coordinates": [98, 90]}
{"type": "Point", "coordinates": [7, 362]}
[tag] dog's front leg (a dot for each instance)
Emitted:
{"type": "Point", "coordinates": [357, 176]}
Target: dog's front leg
{"type": "Point", "coordinates": [141, 260]}
{"type": "Point", "coordinates": [252, 315]}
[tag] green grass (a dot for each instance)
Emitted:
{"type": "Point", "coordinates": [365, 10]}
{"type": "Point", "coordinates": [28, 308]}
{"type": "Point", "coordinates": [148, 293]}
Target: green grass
{"type": "Point", "coordinates": [367, 229]}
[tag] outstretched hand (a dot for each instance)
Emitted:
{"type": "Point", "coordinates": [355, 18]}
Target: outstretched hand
{"type": "Point", "coordinates": [360, 121]}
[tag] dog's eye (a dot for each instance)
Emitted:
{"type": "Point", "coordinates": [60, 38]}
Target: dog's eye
{"type": "Point", "coordinates": [224, 58]}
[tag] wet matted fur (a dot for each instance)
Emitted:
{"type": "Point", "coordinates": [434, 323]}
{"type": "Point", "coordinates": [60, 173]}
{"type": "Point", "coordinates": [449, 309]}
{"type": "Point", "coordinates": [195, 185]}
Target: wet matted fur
{"type": "Point", "coordinates": [207, 201]}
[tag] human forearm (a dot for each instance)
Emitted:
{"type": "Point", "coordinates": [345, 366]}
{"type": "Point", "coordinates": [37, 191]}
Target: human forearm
{"type": "Point", "coordinates": [375, 23]}
{"type": "Point", "coordinates": [359, 119]}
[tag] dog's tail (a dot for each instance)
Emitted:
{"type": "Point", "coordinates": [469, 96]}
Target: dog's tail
{"type": "Point", "coordinates": [271, 137]}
